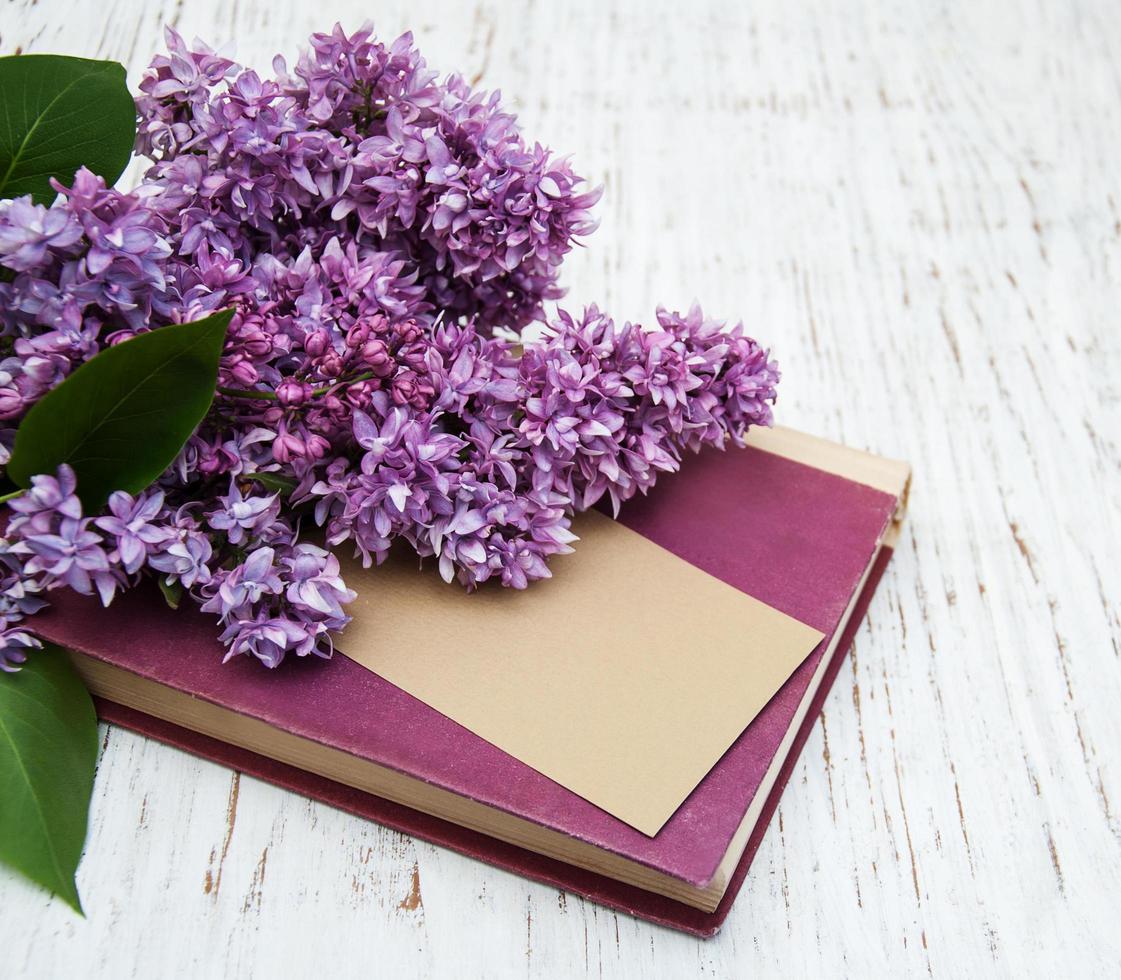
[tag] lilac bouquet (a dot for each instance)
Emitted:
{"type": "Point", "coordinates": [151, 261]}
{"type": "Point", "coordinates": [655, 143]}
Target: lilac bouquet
{"type": "Point", "coordinates": [381, 237]}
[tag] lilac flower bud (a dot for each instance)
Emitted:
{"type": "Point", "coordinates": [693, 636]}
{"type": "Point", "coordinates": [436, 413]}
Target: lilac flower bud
{"type": "Point", "coordinates": [292, 393]}
{"type": "Point", "coordinates": [244, 373]}
{"type": "Point", "coordinates": [287, 447]}
{"type": "Point", "coordinates": [118, 337]}
{"type": "Point", "coordinates": [357, 335]}
{"type": "Point", "coordinates": [376, 357]}
{"type": "Point", "coordinates": [317, 342]}
{"type": "Point", "coordinates": [11, 403]}
{"type": "Point", "coordinates": [316, 446]}
{"type": "Point", "coordinates": [330, 365]}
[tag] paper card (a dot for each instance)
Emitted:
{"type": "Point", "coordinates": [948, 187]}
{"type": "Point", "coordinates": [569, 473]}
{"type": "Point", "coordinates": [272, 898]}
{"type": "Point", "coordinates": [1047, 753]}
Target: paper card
{"type": "Point", "coordinates": [624, 678]}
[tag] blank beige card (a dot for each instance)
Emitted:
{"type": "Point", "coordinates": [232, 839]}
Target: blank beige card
{"type": "Point", "coordinates": [624, 678]}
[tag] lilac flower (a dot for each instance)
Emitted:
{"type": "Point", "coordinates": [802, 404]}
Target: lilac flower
{"type": "Point", "coordinates": [173, 83]}
{"type": "Point", "coordinates": [246, 584]}
{"type": "Point", "coordinates": [241, 516]}
{"type": "Point", "coordinates": [48, 500]}
{"type": "Point", "coordinates": [130, 523]}
{"type": "Point", "coordinates": [20, 593]}
{"type": "Point", "coordinates": [315, 585]}
{"type": "Point", "coordinates": [19, 598]}
{"type": "Point", "coordinates": [28, 231]}
{"type": "Point", "coordinates": [269, 638]}
{"type": "Point", "coordinates": [127, 240]}
{"type": "Point", "coordinates": [184, 556]}
{"type": "Point", "coordinates": [14, 644]}
{"type": "Point", "coordinates": [73, 555]}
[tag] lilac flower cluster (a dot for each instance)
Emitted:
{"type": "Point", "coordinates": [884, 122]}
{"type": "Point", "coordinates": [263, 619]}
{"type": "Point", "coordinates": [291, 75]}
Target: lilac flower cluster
{"type": "Point", "coordinates": [83, 273]}
{"type": "Point", "coordinates": [590, 410]}
{"type": "Point", "coordinates": [240, 558]}
{"type": "Point", "coordinates": [377, 231]}
{"type": "Point", "coordinates": [361, 144]}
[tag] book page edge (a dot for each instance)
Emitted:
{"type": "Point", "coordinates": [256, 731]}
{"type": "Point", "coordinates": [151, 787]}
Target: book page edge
{"type": "Point", "coordinates": [891, 476]}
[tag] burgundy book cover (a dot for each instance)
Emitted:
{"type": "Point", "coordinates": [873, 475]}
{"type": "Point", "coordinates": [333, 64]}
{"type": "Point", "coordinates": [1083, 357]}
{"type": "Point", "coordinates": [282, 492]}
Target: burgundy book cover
{"type": "Point", "coordinates": [791, 535]}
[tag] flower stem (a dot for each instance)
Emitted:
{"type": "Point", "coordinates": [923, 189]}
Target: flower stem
{"type": "Point", "coordinates": [364, 376]}
{"type": "Point", "coordinates": [247, 393]}
{"type": "Point", "coordinates": [10, 496]}
{"type": "Point", "coordinates": [271, 395]}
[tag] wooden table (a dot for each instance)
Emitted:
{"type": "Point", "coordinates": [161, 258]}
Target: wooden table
{"type": "Point", "coordinates": [919, 207]}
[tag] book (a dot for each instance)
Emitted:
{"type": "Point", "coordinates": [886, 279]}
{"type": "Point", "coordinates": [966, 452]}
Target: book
{"type": "Point", "coordinates": [791, 532]}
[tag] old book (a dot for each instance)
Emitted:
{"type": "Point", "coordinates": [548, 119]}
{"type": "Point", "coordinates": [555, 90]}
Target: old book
{"type": "Point", "coordinates": [622, 730]}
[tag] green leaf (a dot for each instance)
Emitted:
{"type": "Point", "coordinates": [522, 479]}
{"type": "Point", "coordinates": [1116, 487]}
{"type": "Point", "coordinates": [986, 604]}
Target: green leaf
{"type": "Point", "coordinates": [58, 114]}
{"type": "Point", "coordinates": [121, 418]}
{"type": "Point", "coordinates": [274, 481]}
{"type": "Point", "coordinates": [48, 752]}
{"type": "Point", "coordinates": [172, 592]}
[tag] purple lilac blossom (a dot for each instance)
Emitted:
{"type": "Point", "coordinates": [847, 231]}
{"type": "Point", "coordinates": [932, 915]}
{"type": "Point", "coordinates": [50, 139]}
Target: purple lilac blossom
{"type": "Point", "coordinates": [360, 142]}
{"type": "Point", "coordinates": [269, 638]}
{"type": "Point", "coordinates": [19, 598]}
{"type": "Point", "coordinates": [14, 644]}
{"type": "Point", "coordinates": [54, 544]}
{"type": "Point", "coordinates": [381, 235]}
{"type": "Point", "coordinates": [130, 522]}
{"type": "Point", "coordinates": [241, 516]}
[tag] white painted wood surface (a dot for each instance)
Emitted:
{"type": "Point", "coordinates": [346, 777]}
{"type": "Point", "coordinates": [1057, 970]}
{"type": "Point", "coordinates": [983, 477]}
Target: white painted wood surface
{"type": "Point", "coordinates": [918, 205]}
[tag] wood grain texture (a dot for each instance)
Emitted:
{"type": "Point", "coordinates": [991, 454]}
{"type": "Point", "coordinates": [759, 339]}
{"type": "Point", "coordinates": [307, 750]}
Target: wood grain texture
{"type": "Point", "coordinates": [917, 205]}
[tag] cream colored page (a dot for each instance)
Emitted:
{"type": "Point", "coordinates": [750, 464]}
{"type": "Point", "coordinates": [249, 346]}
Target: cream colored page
{"type": "Point", "coordinates": [624, 678]}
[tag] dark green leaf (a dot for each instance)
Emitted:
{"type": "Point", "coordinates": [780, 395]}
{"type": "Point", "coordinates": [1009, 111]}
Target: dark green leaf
{"type": "Point", "coordinates": [48, 751]}
{"type": "Point", "coordinates": [274, 481]}
{"type": "Point", "coordinates": [58, 114]}
{"type": "Point", "coordinates": [121, 418]}
{"type": "Point", "coordinates": [172, 592]}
